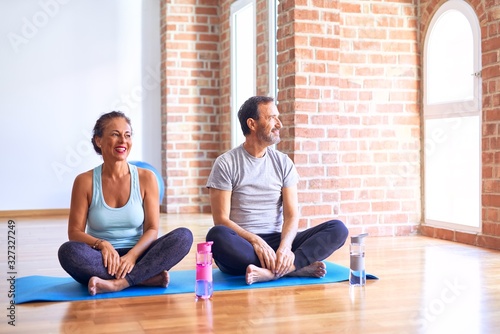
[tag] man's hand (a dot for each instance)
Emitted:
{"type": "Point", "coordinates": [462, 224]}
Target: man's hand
{"type": "Point", "coordinates": [284, 261]}
{"type": "Point", "coordinates": [265, 254]}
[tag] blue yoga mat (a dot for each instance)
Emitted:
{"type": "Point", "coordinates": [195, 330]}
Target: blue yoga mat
{"type": "Point", "coordinates": [49, 288]}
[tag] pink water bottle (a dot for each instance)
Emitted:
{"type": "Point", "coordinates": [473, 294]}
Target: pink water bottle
{"type": "Point", "coordinates": [204, 285]}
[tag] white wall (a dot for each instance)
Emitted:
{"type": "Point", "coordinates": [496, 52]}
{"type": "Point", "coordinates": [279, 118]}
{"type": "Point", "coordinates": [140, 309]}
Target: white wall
{"type": "Point", "coordinates": [62, 64]}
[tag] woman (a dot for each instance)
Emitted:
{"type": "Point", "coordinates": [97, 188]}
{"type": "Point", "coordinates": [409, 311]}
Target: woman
{"type": "Point", "coordinates": [114, 218]}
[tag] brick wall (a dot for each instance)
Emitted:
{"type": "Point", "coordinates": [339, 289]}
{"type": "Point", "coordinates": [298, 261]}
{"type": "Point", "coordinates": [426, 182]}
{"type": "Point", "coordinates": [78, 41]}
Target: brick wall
{"type": "Point", "coordinates": [190, 101]}
{"type": "Point", "coordinates": [348, 78]}
{"type": "Point", "coordinates": [379, 117]}
{"type": "Point", "coordinates": [349, 83]}
{"type": "Point", "coordinates": [224, 122]}
{"type": "Point", "coordinates": [349, 90]}
{"type": "Point", "coordinates": [489, 20]}
{"type": "Point", "coordinates": [262, 46]}
{"type": "Point", "coordinates": [308, 94]}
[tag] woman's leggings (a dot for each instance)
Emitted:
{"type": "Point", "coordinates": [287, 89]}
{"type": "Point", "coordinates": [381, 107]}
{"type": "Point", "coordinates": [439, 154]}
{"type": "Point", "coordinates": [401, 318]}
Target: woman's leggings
{"type": "Point", "coordinates": [82, 262]}
{"type": "Point", "coordinates": [233, 254]}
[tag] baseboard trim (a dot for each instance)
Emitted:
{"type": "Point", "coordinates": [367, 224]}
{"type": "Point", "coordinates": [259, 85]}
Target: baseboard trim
{"type": "Point", "coordinates": [33, 213]}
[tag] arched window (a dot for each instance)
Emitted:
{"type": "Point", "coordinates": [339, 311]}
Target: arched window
{"type": "Point", "coordinates": [452, 118]}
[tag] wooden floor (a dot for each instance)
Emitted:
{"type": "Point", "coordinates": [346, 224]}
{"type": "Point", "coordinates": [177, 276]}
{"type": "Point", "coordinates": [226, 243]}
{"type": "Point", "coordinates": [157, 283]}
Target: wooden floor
{"type": "Point", "coordinates": [425, 286]}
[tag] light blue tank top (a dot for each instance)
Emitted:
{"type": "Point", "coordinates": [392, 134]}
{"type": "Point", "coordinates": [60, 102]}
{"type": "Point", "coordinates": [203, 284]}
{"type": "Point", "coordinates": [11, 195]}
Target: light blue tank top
{"type": "Point", "coordinates": [122, 227]}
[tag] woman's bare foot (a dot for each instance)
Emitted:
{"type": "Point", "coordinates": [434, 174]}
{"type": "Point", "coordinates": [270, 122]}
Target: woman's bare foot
{"type": "Point", "coordinates": [256, 274]}
{"type": "Point", "coordinates": [162, 279]}
{"type": "Point", "coordinates": [98, 285]}
{"type": "Point", "coordinates": [316, 269]}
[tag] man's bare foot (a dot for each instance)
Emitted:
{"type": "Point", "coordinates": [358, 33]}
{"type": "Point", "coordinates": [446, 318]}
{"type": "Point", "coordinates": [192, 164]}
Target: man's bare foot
{"type": "Point", "coordinates": [162, 279]}
{"type": "Point", "coordinates": [98, 285]}
{"type": "Point", "coordinates": [256, 274]}
{"type": "Point", "coordinates": [316, 269]}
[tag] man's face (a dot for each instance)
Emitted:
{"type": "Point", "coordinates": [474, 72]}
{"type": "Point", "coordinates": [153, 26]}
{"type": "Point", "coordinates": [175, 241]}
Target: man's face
{"type": "Point", "coordinates": [269, 125]}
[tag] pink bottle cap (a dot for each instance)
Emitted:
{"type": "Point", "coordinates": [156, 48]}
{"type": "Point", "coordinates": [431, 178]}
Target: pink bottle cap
{"type": "Point", "coordinates": [205, 247]}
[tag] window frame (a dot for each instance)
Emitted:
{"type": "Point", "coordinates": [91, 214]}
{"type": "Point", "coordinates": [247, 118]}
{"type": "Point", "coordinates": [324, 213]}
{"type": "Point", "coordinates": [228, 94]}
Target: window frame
{"type": "Point", "coordinates": [455, 109]}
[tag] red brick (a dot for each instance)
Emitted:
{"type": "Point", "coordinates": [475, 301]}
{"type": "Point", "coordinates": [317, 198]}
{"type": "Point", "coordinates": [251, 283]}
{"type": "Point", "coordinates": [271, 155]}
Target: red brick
{"type": "Point", "coordinates": [466, 238]}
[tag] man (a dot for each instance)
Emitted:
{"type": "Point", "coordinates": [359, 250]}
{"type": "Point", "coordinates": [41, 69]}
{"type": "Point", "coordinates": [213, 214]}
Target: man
{"type": "Point", "coordinates": [253, 194]}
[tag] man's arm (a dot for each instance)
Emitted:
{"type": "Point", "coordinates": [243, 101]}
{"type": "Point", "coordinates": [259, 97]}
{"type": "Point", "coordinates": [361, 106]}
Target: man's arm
{"type": "Point", "coordinates": [284, 254]}
{"type": "Point", "coordinates": [220, 201]}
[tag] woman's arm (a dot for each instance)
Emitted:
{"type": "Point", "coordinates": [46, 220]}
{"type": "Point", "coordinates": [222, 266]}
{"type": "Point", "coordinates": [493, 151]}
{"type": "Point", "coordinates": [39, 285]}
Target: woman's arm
{"type": "Point", "coordinates": [81, 196]}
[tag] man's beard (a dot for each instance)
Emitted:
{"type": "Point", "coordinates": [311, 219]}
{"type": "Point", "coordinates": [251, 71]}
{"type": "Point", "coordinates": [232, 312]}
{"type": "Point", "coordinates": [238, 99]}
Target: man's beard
{"type": "Point", "coordinates": [270, 138]}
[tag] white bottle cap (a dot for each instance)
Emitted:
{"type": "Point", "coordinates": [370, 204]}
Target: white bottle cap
{"type": "Point", "coordinates": [358, 239]}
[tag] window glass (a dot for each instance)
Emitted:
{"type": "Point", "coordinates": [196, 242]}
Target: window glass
{"type": "Point", "coordinates": [243, 62]}
{"type": "Point", "coordinates": [450, 55]}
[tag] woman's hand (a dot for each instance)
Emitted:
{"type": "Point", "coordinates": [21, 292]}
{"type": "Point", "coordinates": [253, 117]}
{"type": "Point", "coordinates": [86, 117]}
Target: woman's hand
{"type": "Point", "coordinates": [110, 257]}
{"type": "Point", "coordinates": [127, 263]}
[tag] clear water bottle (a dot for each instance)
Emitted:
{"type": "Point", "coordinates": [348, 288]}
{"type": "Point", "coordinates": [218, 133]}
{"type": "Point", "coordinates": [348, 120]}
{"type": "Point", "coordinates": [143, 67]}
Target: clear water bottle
{"type": "Point", "coordinates": [204, 285]}
{"type": "Point", "coordinates": [357, 276]}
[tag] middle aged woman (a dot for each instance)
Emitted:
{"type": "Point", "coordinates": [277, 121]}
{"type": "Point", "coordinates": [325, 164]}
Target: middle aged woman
{"type": "Point", "coordinates": [114, 219]}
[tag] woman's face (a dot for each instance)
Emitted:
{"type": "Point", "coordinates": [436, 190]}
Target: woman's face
{"type": "Point", "coordinates": [116, 140]}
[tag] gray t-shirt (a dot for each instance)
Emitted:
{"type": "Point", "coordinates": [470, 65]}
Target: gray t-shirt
{"type": "Point", "coordinates": [256, 185]}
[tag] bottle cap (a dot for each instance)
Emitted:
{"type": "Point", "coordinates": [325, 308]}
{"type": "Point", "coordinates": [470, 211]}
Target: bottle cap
{"type": "Point", "coordinates": [358, 239]}
{"type": "Point", "coordinates": [205, 247]}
